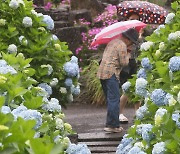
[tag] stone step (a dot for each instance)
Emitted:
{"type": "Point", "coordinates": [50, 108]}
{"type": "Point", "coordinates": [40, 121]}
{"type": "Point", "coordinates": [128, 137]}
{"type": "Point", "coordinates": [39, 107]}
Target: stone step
{"type": "Point", "coordinates": [103, 149]}
{"type": "Point", "coordinates": [100, 136]}
{"type": "Point", "coordinates": [61, 24]}
{"type": "Point", "coordinates": [101, 143]}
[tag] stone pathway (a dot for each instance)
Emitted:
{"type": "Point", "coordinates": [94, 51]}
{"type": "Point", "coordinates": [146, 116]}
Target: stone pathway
{"type": "Point", "coordinates": [88, 121]}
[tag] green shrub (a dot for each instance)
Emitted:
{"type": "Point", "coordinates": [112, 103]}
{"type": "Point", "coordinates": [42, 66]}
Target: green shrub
{"type": "Point", "coordinates": [157, 128]}
{"type": "Point", "coordinates": [23, 30]}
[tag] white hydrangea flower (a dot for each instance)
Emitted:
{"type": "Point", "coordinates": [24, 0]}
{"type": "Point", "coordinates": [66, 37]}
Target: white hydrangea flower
{"type": "Point", "coordinates": [158, 29]}
{"type": "Point", "coordinates": [159, 115]}
{"type": "Point", "coordinates": [40, 15]}
{"type": "Point", "coordinates": [59, 124]}
{"type": "Point", "coordinates": [169, 18]}
{"type": "Point", "coordinates": [12, 48]}
{"type": "Point", "coordinates": [146, 45]}
{"type": "Point", "coordinates": [174, 36]}
{"type": "Point", "coordinates": [63, 90]}
{"type": "Point", "coordinates": [139, 144]}
{"type": "Point", "coordinates": [158, 53]}
{"type": "Point", "coordinates": [14, 4]}
{"type": "Point", "coordinates": [53, 82]}
{"type": "Point", "coordinates": [70, 98]}
{"type": "Point", "coordinates": [27, 22]}
{"type": "Point", "coordinates": [178, 97]}
{"type": "Point", "coordinates": [161, 46]}
{"type": "Point", "coordinates": [171, 100]}
{"type": "Point", "coordinates": [140, 86]}
{"type": "Point", "coordinates": [23, 40]}
{"type": "Point", "coordinates": [2, 22]}
{"type": "Point", "coordinates": [158, 148]}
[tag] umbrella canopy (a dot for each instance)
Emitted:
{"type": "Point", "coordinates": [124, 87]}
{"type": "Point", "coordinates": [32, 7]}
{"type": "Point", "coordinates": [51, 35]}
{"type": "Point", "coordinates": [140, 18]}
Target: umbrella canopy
{"type": "Point", "coordinates": [115, 30]}
{"type": "Point", "coordinates": [148, 12]}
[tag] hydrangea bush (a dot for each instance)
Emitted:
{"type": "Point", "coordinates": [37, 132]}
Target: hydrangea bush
{"type": "Point", "coordinates": [32, 62]}
{"type": "Point", "coordinates": [156, 128]}
{"type": "Point", "coordinates": [26, 108]}
{"type": "Point", "coordinates": [23, 30]}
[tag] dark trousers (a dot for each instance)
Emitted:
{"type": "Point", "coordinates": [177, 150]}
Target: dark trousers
{"type": "Point", "coordinates": [111, 90]}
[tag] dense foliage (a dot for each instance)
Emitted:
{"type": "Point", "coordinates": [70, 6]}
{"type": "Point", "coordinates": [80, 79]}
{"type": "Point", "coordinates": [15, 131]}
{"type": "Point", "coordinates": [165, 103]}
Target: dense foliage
{"type": "Point", "coordinates": [157, 84]}
{"type": "Point", "coordinates": [23, 30]}
{"type": "Point", "coordinates": [32, 63]}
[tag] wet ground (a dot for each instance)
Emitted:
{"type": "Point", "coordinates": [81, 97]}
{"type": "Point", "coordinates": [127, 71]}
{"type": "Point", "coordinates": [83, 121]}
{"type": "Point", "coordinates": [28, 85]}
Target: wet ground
{"type": "Point", "coordinates": [88, 121]}
{"type": "Point", "coordinates": [88, 118]}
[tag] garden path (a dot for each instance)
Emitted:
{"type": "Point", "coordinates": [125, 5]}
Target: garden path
{"type": "Point", "coordinates": [88, 121]}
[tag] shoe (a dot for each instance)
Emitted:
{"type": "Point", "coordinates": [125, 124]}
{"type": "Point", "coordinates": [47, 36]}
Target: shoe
{"type": "Point", "coordinates": [123, 119]}
{"type": "Point", "coordinates": [113, 130]}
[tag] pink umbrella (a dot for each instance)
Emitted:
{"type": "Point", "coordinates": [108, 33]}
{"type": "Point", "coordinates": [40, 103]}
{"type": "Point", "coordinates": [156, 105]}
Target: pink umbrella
{"type": "Point", "coordinates": [115, 30]}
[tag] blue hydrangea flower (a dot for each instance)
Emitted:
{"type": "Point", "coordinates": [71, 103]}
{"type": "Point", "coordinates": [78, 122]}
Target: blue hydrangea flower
{"type": "Point", "coordinates": [68, 82]}
{"type": "Point", "coordinates": [78, 149]}
{"type": "Point", "coordinates": [126, 86]}
{"type": "Point", "coordinates": [174, 64]}
{"type": "Point", "coordinates": [5, 109]}
{"type": "Point", "coordinates": [16, 112]}
{"type": "Point", "coordinates": [136, 150]}
{"type": "Point", "coordinates": [12, 48]}
{"type": "Point", "coordinates": [141, 73]}
{"type": "Point", "coordinates": [176, 118]}
{"type": "Point", "coordinates": [14, 4]}
{"type": "Point", "coordinates": [141, 85]}
{"type": "Point", "coordinates": [74, 59]}
{"type": "Point", "coordinates": [52, 105]}
{"type": "Point", "coordinates": [75, 90]}
{"type": "Point", "coordinates": [158, 97]}
{"type": "Point", "coordinates": [72, 69]}
{"type": "Point", "coordinates": [54, 37]}
{"type": "Point", "coordinates": [46, 87]}
{"type": "Point", "coordinates": [146, 132]}
{"type": "Point", "coordinates": [125, 145]}
{"type": "Point", "coordinates": [140, 113]}
{"type": "Point", "coordinates": [7, 69]}
{"type": "Point", "coordinates": [159, 148]}
{"type": "Point", "coordinates": [27, 22]}
{"type": "Point", "coordinates": [145, 63]}
{"type": "Point", "coordinates": [3, 63]}
{"type": "Point", "coordinates": [49, 21]}
{"type": "Point", "coordinates": [32, 115]}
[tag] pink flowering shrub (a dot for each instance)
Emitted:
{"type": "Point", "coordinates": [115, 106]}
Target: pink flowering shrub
{"type": "Point", "coordinates": [108, 17]}
{"type": "Point", "coordinates": [48, 6]}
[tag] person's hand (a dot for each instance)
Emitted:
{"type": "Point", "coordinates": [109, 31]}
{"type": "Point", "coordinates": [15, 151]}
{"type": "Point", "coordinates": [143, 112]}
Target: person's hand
{"type": "Point", "coordinates": [141, 32]}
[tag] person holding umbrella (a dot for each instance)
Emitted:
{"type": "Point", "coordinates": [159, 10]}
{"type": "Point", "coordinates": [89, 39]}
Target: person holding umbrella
{"type": "Point", "coordinates": [127, 72]}
{"type": "Point", "coordinates": [115, 57]}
